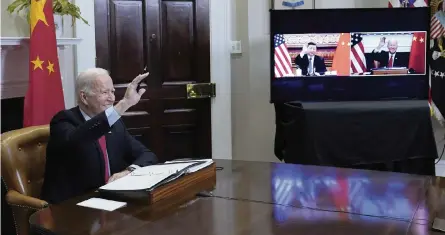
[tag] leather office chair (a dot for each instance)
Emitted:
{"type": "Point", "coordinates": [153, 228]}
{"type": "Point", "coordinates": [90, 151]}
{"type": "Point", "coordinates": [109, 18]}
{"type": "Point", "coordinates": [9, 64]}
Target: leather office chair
{"type": "Point", "coordinates": [23, 165]}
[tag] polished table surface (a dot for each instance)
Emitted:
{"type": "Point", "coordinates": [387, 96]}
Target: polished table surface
{"type": "Point", "coordinates": [271, 198]}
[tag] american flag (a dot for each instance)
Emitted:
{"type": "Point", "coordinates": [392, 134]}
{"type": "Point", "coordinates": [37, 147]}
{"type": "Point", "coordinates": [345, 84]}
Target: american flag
{"type": "Point", "coordinates": [358, 60]}
{"type": "Point", "coordinates": [407, 3]}
{"type": "Point", "coordinates": [283, 63]}
{"type": "Point", "coordinates": [437, 28]}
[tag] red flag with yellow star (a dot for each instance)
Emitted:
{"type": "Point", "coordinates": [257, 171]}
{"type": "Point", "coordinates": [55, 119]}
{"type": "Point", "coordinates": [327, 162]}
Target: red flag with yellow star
{"type": "Point", "coordinates": [417, 54]}
{"type": "Point", "coordinates": [44, 97]}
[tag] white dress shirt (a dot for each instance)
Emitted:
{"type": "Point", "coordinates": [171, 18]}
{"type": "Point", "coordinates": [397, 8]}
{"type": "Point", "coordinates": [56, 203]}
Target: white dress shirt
{"type": "Point", "coordinates": [112, 117]}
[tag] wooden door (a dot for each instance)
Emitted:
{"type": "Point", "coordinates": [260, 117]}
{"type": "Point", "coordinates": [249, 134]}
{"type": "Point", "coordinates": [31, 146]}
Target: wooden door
{"type": "Point", "coordinates": [171, 40]}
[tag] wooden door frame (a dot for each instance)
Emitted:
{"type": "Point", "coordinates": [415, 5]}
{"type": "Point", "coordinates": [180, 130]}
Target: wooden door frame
{"type": "Point", "coordinates": [220, 67]}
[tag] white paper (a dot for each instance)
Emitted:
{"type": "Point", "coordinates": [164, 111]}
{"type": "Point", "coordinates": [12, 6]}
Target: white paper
{"type": "Point", "coordinates": [163, 169]}
{"type": "Point", "coordinates": [145, 177]}
{"type": "Point", "coordinates": [102, 204]}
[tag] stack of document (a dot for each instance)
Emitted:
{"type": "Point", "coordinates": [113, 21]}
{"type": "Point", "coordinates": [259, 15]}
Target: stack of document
{"type": "Point", "coordinates": [151, 176]}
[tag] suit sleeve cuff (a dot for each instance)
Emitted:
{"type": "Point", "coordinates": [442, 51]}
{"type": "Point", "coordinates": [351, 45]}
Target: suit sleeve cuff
{"type": "Point", "coordinates": [112, 115]}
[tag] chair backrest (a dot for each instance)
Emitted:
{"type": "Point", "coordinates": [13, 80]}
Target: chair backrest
{"type": "Point", "coordinates": [23, 159]}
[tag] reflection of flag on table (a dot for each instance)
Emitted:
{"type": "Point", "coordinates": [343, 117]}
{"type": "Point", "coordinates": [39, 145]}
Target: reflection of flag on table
{"type": "Point", "coordinates": [358, 60]}
{"type": "Point", "coordinates": [283, 63]}
{"type": "Point", "coordinates": [417, 54]}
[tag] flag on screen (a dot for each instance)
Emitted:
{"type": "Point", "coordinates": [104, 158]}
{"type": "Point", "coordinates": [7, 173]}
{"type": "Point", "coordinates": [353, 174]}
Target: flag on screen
{"type": "Point", "coordinates": [44, 97]}
{"type": "Point", "coordinates": [341, 62]}
{"type": "Point", "coordinates": [417, 53]}
{"type": "Point", "coordinates": [283, 63]}
{"type": "Point", "coordinates": [357, 54]}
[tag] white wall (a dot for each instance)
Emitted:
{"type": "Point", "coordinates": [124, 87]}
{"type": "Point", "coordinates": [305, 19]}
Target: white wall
{"type": "Point", "coordinates": [252, 114]}
{"type": "Point", "coordinates": [253, 120]}
{"type": "Point", "coordinates": [14, 73]}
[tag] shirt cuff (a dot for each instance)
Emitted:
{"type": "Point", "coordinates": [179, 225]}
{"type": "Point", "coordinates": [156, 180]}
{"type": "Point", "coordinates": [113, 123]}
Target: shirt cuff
{"type": "Point", "coordinates": [112, 115]}
{"type": "Point", "coordinates": [132, 167]}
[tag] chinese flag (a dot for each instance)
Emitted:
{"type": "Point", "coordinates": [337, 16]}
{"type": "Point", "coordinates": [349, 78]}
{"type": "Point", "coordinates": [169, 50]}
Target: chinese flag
{"type": "Point", "coordinates": [44, 97]}
{"type": "Point", "coordinates": [342, 62]}
{"type": "Point", "coordinates": [417, 54]}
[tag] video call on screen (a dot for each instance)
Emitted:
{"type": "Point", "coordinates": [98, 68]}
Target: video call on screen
{"type": "Point", "coordinates": [350, 54]}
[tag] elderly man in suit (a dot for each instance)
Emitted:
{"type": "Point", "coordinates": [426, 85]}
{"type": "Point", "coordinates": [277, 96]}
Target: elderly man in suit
{"type": "Point", "coordinates": [310, 63]}
{"type": "Point", "coordinates": [390, 58]}
{"type": "Point", "coordinates": [89, 144]}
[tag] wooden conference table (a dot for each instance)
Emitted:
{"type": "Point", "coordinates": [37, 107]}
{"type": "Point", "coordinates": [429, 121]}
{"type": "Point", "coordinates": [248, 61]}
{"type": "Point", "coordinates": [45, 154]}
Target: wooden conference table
{"type": "Point", "coordinates": [270, 198]}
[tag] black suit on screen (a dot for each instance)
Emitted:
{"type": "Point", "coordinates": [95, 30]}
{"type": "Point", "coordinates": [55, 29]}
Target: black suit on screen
{"type": "Point", "coordinates": [303, 62]}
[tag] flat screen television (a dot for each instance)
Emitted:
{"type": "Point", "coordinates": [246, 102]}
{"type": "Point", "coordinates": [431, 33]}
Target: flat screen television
{"type": "Point", "coordinates": [349, 54]}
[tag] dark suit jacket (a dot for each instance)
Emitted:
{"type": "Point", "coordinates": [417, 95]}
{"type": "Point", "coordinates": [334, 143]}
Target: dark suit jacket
{"type": "Point", "coordinates": [400, 60]}
{"type": "Point", "coordinates": [74, 160]}
{"type": "Point", "coordinates": [319, 65]}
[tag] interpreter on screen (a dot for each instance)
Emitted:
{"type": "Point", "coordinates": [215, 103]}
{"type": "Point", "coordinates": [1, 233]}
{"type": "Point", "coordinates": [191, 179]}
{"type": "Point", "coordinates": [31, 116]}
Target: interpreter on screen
{"type": "Point", "coordinates": [310, 63]}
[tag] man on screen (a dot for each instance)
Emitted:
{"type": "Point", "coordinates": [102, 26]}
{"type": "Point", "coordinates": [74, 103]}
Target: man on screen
{"type": "Point", "coordinates": [309, 63]}
{"type": "Point", "coordinates": [390, 58]}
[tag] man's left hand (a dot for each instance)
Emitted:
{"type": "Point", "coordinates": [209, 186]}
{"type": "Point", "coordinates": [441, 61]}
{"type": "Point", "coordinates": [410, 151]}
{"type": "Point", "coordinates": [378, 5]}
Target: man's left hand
{"type": "Point", "coordinates": [118, 175]}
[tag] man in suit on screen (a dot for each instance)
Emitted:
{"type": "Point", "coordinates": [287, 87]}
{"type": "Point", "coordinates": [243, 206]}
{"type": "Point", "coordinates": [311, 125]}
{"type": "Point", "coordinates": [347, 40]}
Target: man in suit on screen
{"type": "Point", "coordinates": [391, 58]}
{"type": "Point", "coordinates": [310, 63]}
{"type": "Point", "coordinates": [89, 144]}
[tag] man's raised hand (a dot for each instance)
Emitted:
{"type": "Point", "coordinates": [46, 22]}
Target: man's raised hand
{"type": "Point", "coordinates": [132, 95]}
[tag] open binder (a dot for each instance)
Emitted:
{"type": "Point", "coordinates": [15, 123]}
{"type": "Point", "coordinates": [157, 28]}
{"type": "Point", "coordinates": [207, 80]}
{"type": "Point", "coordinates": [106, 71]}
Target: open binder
{"type": "Point", "coordinates": [162, 180]}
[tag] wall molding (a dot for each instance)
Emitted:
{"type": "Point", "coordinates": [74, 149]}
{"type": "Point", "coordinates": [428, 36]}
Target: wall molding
{"type": "Point", "coordinates": [14, 63]}
{"type": "Point", "coordinates": [7, 42]}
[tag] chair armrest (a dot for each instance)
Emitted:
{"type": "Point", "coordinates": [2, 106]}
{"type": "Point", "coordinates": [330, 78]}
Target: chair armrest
{"type": "Point", "coordinates": [17, 199]}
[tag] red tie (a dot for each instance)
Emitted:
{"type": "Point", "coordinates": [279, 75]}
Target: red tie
{"type": "Point", "coordinates": [390, 62]}
{"type": "Point", "coordinates": [103, 146]}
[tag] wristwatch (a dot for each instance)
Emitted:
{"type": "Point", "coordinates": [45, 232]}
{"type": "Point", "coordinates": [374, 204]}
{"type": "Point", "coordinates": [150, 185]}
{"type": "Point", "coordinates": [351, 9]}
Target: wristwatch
{"type": "Point", "coordinates": [131, 168]}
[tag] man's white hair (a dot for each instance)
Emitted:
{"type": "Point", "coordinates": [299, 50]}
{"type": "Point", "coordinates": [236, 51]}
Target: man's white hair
{"type": "Point", "coordinates": [86, 78]}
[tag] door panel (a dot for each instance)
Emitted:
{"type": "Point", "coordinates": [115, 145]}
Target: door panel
{"type": "Point", "coordinates": [183, 138]}
{"type": "Point", "coordinates": [171, 39]}
{"type": "Point", "coordinates": [177, 41]}
{"type": "Point", "coordinates": [126, 39]}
